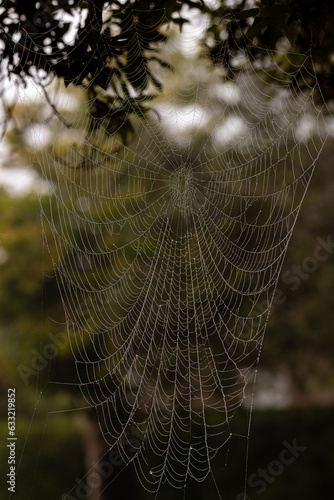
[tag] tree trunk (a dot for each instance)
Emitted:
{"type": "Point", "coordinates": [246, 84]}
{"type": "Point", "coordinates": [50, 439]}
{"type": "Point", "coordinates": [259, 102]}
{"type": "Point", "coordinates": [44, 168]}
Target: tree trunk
{"type": "Point", "coordinates": [94, 448]}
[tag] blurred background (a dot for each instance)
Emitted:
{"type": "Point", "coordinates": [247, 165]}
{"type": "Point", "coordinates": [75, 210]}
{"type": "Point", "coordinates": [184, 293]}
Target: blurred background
{"type": "Point", "coordinates": [294, 393]}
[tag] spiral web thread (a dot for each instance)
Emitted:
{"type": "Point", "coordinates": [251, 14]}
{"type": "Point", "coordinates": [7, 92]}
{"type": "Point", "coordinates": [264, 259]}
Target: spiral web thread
{"type": "Point", "coordinates": [169, 249]}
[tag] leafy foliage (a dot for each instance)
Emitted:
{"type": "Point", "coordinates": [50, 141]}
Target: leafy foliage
{"type": "Point", "coordinates": [306, 24]}
{"type": "Point", "coordinates": [114, 53]}
{"type": "Point", "coordinates": [111, 54]}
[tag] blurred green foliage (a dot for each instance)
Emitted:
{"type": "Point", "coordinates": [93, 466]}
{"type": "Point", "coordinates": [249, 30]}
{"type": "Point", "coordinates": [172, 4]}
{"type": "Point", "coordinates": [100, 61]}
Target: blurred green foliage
{"type": "Point", "coordinates": [298, 340]}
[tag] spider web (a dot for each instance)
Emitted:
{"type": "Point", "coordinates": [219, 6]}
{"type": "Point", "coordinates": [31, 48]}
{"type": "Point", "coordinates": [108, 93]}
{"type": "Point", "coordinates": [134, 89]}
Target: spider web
{"type": "Point", "coordinates": [169, 248]}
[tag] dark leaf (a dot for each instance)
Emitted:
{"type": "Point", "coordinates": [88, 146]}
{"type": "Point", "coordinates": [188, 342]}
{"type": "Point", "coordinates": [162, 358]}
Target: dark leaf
{"type": "Point", "coordinates": [103, 77]}
{"type": "Point", "coordinates": [290, 31]}
{"type": "Point", "coordinates": [246, 14]}
{"type": "Point", "coordinates": [162, 63]}
{"type": "Point", "coordinates": [180, 21]}
{"type": "Point", "coordinates": [257, 27]}
{"type": "Point", "coordinates": [274, 11]}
